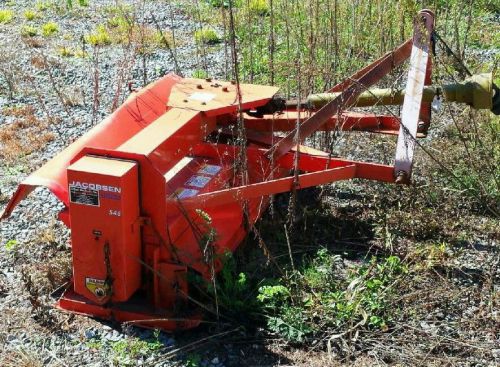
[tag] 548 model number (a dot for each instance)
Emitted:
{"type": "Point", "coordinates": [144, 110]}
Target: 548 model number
{"type": "Point", "coordinates": [115, 213]}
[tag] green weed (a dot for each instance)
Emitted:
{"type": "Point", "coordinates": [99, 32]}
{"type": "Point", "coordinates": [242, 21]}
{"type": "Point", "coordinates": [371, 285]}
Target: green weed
{"type": "Point", "coordinates": [313, 298]}
{"type": "Point", "coordinates": [49, 29]}
{"type": "Point", "coordinates": [29, 31]}
{"type": "Point", "coordinates": [430, 255]}
{"type": "Point", "coordinates": [259, 7]}
{"type": "Point", "coordinates": [43, 5]}
{"type": "Point", "coordinates": [193, 360]}
{"type": "Point", "coordinates": [234, 291]}
{"type": "Point", "coordinates": [11, 245]}
{"type": "Point", "coordinates": [65, 51]}
{"type": "Point", "coordinates": [30, 15]}
{"type": "Point", "coordinates": [125, 352]}
{"type": "Point", "coordinates": [206, 36]}
{"type": "Point", "coordinates": [69, 3]}
{"type": "Point", "coordinates": [6, 15]}
{"type": "Point", "coordinates": [100, 37]}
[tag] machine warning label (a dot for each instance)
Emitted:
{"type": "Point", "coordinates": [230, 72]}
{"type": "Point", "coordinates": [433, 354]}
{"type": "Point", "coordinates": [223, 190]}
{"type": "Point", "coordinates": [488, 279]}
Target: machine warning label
{"type": "Point", "coordinates": [198, 181]}
{"type": "Point", "coordinates": [210, 169]}
{"type": "Point", "coordinates": [184, 193]}
{"type": "Point", "coordinates": [97, 286]}
{"type": "Point", "coordinates": [85, 196]}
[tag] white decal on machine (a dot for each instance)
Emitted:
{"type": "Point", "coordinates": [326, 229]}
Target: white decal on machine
{"type": "Point", "coordinates": [202, 97]}
{"type": "Point", "coordinates": [96, 187]}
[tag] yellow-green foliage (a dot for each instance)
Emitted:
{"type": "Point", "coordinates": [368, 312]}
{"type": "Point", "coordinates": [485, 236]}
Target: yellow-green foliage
{"type": "Point", "coordinates": [6, 15]}
{"type": "Point", "coordinates": [80, 53]}
{"type": "Point", "coordinates": [100, 37]}
{"type": "Point", "coordinates": [42, 5]}
{"type": "Point", "coordinates": [150, 40]}
{"type": "Point", "coordinates": [206, 36]}
{"type": "Point", "coordinates": [30, 15]}
{"type": "Point", "coordinates": [28, 31]}
{"type": "Point", "coordinates": [49, 29]}
{"type": "Point", "coordinates": [120, 22]}
{"type": "Point", "coordinates": [123, 29]}
{"type": "Point", "coordinates": [258, 7]}
{"type": "Point", "coordinates": [65, 51]}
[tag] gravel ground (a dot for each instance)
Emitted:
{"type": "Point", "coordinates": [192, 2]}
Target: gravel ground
{"type": "Point", "coordinates": [34, 251]}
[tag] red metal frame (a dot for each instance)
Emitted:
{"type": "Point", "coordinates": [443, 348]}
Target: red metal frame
{"type": "Point", "coordinates": [192, 205]}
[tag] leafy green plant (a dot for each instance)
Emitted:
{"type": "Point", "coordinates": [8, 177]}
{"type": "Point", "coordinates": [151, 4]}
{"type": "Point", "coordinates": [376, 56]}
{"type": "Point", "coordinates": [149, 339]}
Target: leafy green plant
{"type": "Point", "coordinates": [43, 5]}
{"type": "Point", "coordinates": [65, 51]}
{"type": "Point", "coordinates": [234, 291]}
{"type": "Point", "coordinates": [6, 15]}
{"type": "Point", "coordinates": [29, 31]}
{"type": "Point", "coordinates": [69, 3]}
{"type": "Point", "coordinates": [206, 36]}
{"type": "Point", "coordinates": [49, 29]}
{"type": "Point", "coordinates": [125, 352]}
{"type": "Point", "coordinates": [259, 7]}
{"type": "Point", "coordinates": [11, 245]}
{"type": "Point", "coordinates": [100, 37]}
{"type": "Point", "coordinates": [292, 324]}
{"type": "Point", "coordinates": [430, 255]}
{"type": "Point", "coordinates": [193, 360]}
{"type": "Point", "coordinates": [30, 15]}
{"type": "Point", "coordinates": [312, 298]}
{"type": "Point", "coordinates": [120, 21]}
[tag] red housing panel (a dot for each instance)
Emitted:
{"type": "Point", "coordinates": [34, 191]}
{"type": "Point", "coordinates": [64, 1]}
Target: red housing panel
{"type": "Point", "coordinates": [104, 208]}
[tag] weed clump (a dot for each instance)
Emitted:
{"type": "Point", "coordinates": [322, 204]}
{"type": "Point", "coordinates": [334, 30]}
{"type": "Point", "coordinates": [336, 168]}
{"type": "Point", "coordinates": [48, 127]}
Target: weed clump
{"type": "Point", "coordinates": [29, 31]}
{"type": "Point", "coordinates": [258, 7]}
{"type": "Point", "coordinates": [65, 51]}
{"type": "Point", "coordinates": [42, 5]}
{"type": "Point", "coordinates": [313, 298]}
{"type": "Point", "coordinates": [11, 245]}
{"type": "Point", "coordinates": [100, 37]}
{"type": "Point", "coordinates": [69, 3]}
{"type": "Point", "coordinates": [30, 15]}
{"type": "Point", "coordinates": [49, 29]}
{"type": "Point", "coordinates": [125, 352]}
{"type": "Point", "coordinates": [6, 15]}
{"type": "Point", "coordinates": [206, 36]}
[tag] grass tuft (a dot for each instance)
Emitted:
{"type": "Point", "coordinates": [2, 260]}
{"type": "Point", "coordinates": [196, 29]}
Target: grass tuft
{"type": "Point", "coordinates": [43, 5]}
{"type": "Point", "coordinates": [49, 29]}
{"type": "Point", "coordinates": [65, 51]}
{"type": "Point", "coordinates": [100, 37]}
{"type": "Point", "coordinates": [259, 7]}
{"type": "Point", "coordinates": [206, 36]}
{"type": "Point", "coordinates": [30, 15]}
{"type": "Point", "coordinates": [29, 31]}
{"type": "Point", "coordinates": [6, 15]}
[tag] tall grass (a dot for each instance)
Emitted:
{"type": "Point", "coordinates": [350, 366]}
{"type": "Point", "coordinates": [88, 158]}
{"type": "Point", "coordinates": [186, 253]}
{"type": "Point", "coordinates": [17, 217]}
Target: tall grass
{"type": "Point", "coordinates": [316, 43]}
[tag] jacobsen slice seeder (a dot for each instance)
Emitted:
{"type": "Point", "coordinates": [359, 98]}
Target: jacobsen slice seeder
{"type": "Point", "coordinates": [150, 191]}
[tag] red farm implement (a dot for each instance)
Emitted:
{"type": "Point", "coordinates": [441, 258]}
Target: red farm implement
{"type": "Point", "coordinates": [149, 191]}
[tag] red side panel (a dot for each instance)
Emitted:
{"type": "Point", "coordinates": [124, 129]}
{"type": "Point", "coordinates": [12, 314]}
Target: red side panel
{"type": "Point", "coordinates": [137, 112]}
